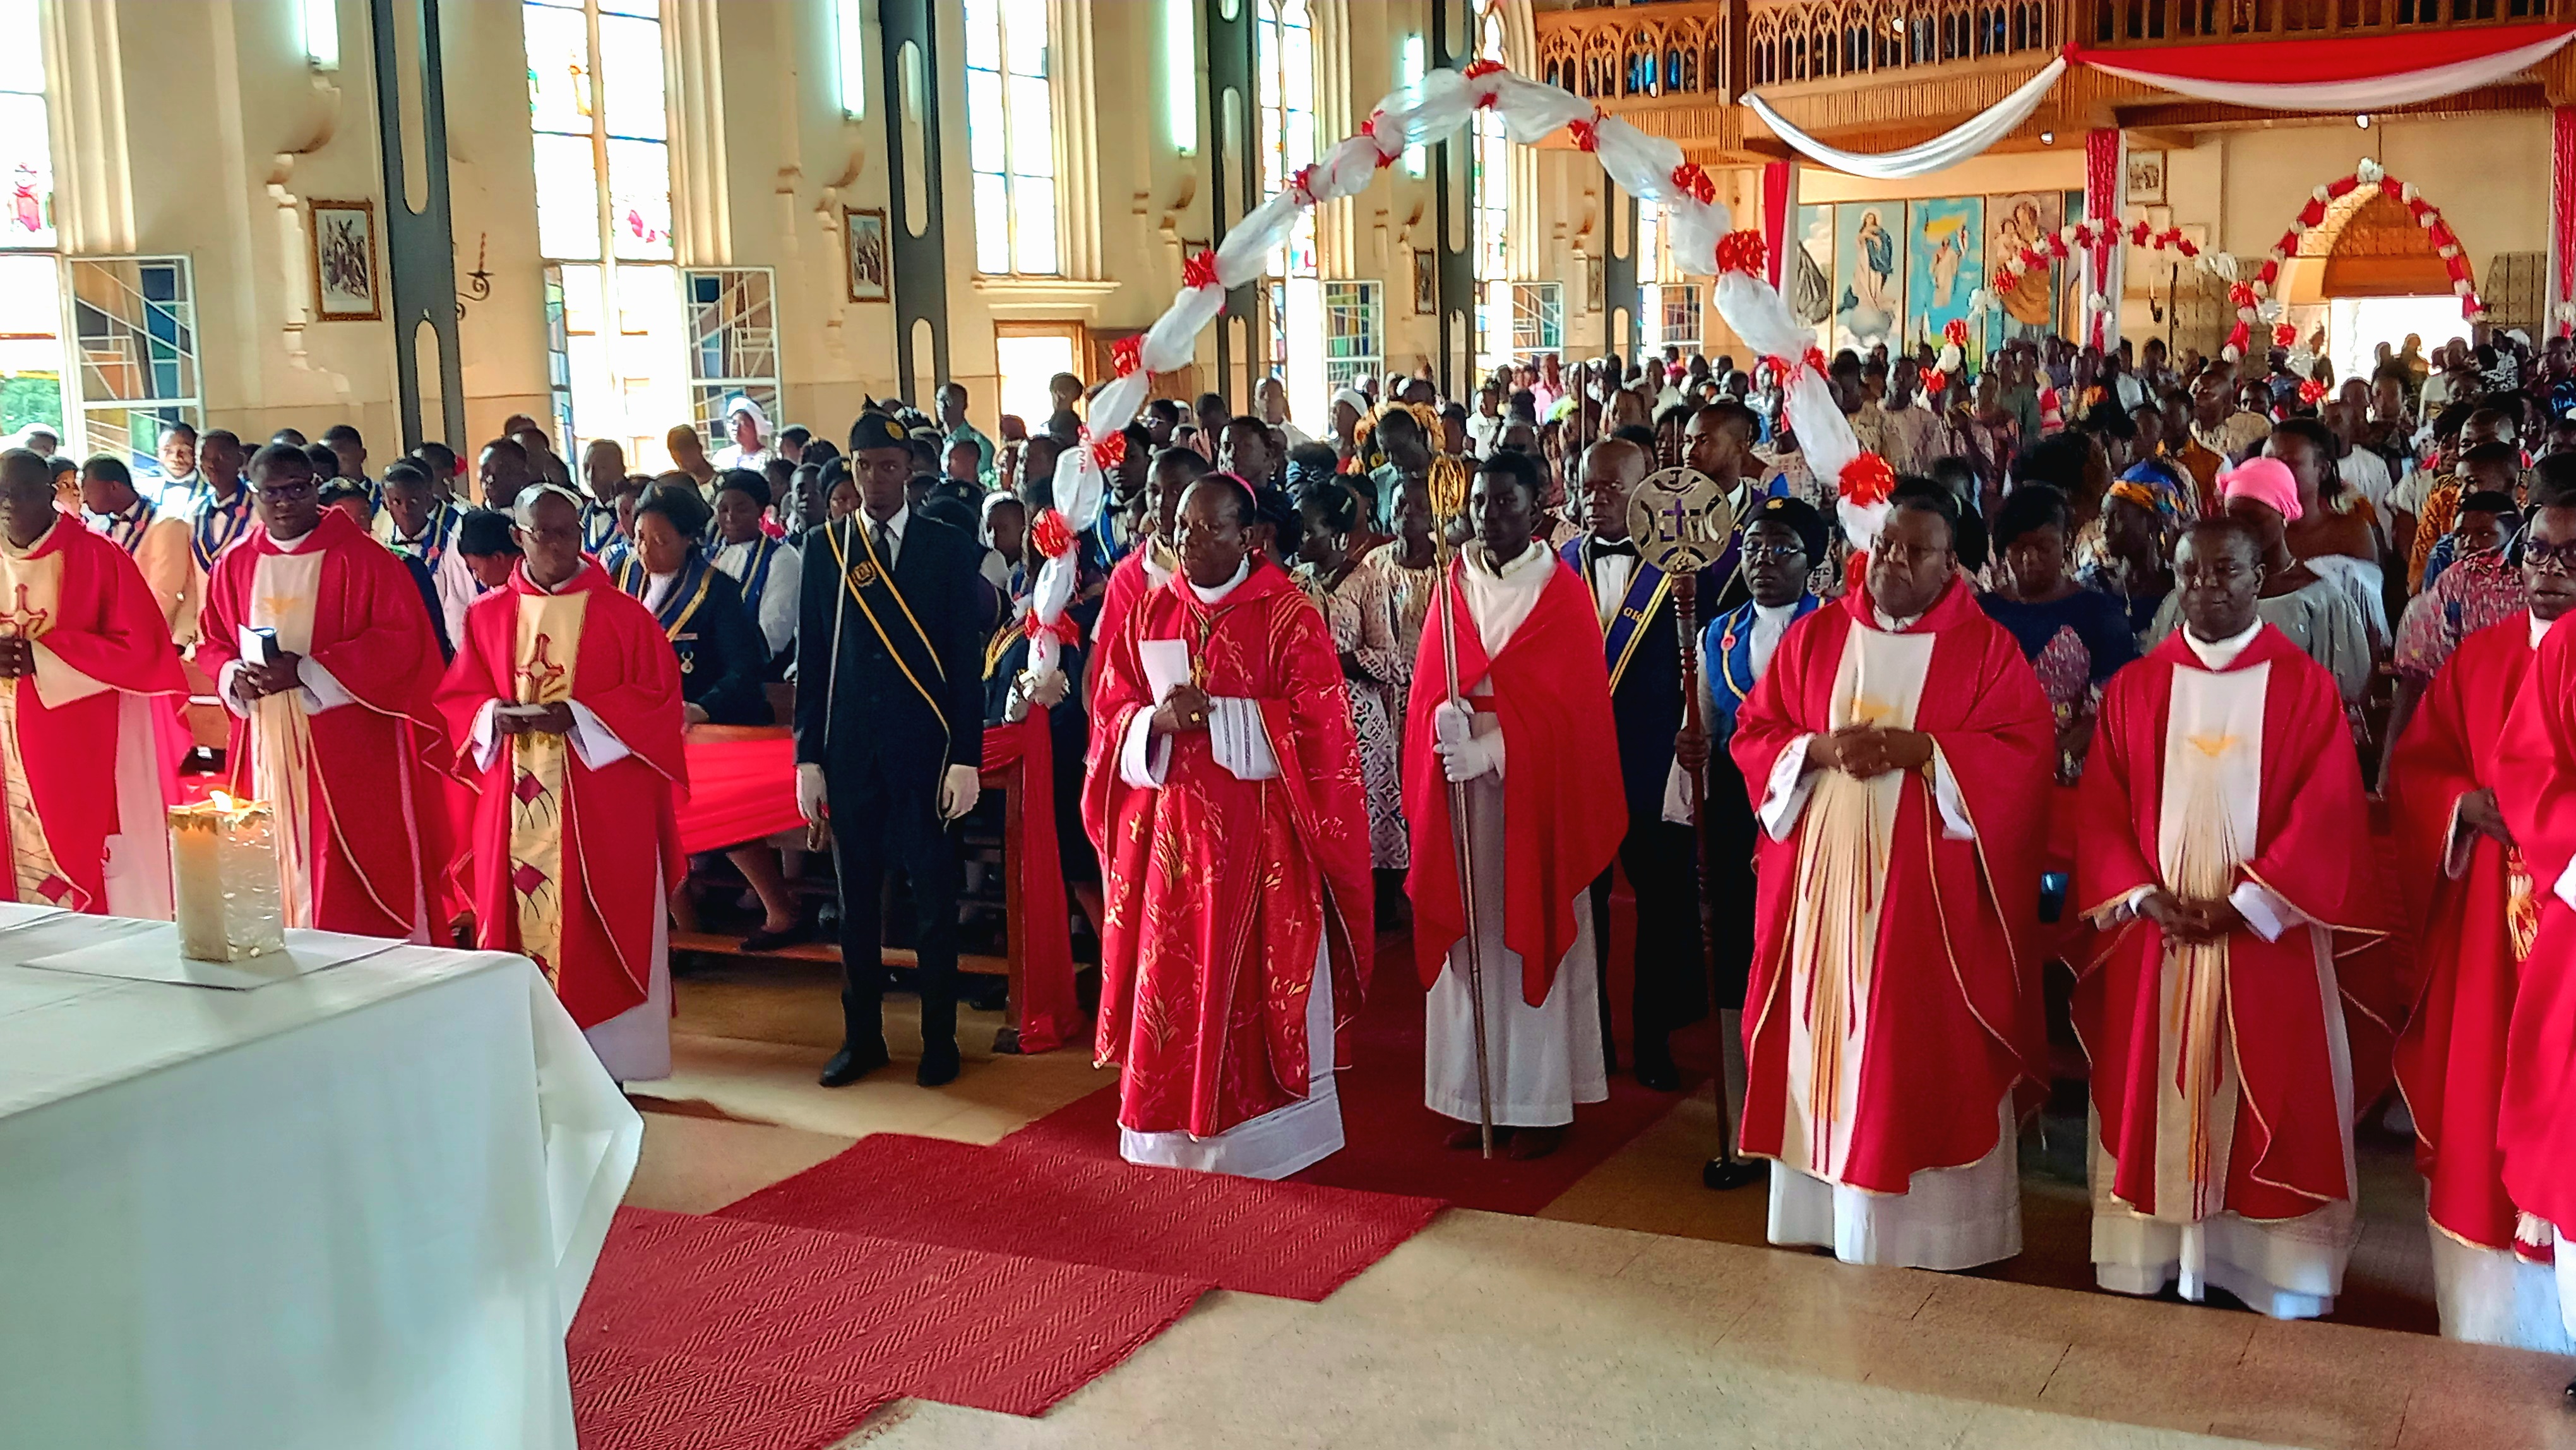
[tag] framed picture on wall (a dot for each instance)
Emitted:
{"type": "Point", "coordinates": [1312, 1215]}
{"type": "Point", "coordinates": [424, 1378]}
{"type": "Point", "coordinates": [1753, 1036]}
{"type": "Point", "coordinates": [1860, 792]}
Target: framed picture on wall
{"type": "Point", "coordinates": [344, 261]}
{"type": "Point", "coordinates": [1426, 282]}
{"type": "Point", "coordinates": [871, 254]}
{"type": "Point", "coordinates": [2146, 180]}
{"type": "Point", "coordinates": [1596, 283]}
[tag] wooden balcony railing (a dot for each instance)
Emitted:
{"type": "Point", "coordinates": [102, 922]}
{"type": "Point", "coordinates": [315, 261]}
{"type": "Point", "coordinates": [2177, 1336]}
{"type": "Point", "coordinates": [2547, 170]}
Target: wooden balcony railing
{"type": "Point", "coordinates": [2170, 22]}
{"type": "Point", "coordinates": [1671, 50]}
{"type": "Point", "coordinates": [1790, 41]}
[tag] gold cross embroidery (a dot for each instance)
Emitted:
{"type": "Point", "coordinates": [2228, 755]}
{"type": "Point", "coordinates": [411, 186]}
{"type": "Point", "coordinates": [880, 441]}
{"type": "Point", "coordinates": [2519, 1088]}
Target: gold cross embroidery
{"type": "Point", "coordinates": [23, 622]}
{"type": "Point", "coordinates": [540, 672]}
{"type": "Point", "coordinates": [1866, 711]}
{"type": "Point", "coordinates": [2212, 746]}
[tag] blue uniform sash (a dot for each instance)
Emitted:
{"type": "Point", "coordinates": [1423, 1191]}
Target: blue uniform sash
{"type": "Point", "coordinates": [1727, 654]}
{"type": "Point", "coordinates": [679, 607]}
{"type": "Point", "coordinates": [755, 573]}
{"type": "Point", "coordinates": [217, 525]}
{"type": "Point", "coordinates": [1620, 637]}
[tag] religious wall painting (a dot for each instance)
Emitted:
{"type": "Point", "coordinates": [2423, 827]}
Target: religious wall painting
{"type": "Point", "coordinates": [871, 256]}
{"type": "Point", "coordinates": [1596, 285]}
{"type": "Point", "coordinates": [1944, 266]}
{"type": "Point", "coordinates": [344, 261]}
{"type": "Point", "coordinates": [1808, 280]}
{"type": "Point", "coordinates": [1426, 282]}
{"type": "Point", "coordinates": [2145, 184]}
{"type": "Point", "coordinates": [2015, 222]}
{"type": "Point", "coordinates": [1869, 275]}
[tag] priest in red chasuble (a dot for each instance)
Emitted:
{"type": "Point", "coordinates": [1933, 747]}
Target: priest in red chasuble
{"type": "Point", "coordinates": [2475, 907]}
{"type": "Point", "coordinates": [1224, 786]}
{"type": "Point", "coordinates": [332, 719]}
{"type": "Point", "coordinates": [564, 699]}
{"type": "Point", "coordinates": [2536, 786]}
{"type": "Point", "coordinates": [1899, 755]}
{"type": "Point", "coordinates": [2222, 845]}
{"type": "Point", "coordinates": [1543, 817]}
{"type": "Point", "coordinates": [88, 711]}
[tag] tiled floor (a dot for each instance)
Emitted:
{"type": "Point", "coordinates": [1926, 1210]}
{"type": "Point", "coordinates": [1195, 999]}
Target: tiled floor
{"type": "Point", "coordinates": [1494, 1331]}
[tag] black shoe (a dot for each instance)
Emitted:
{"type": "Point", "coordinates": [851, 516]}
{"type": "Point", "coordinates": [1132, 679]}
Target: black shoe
{"type": "Point", "coordinates": [1659, 1075]}
{"type": "Point", "coordinates": [765, 940]}
{"type": "Point", "coordinates": [939, 1064]}
{"type": "Point", "coordinates": [855, 1060]}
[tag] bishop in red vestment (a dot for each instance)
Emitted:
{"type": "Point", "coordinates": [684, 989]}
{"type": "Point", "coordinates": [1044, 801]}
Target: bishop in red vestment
{"type": "Point", "coordinates": [1543, 817]}
{"type": "Point", "coordinates": [2536, 786]}
{"type": "Point", "coordinates": [2471, 900]}
{"type": "Point", "coordinates": [88, 712]}
{"type": "Point", "coordinates": [2223, 840]}
{"type": "Point", "coordinates": [1899, 754]}
{"type": "Point", "coordinates": [335, 729]}
{"type": "Point", "coordinates": [1224, 786]}
{"type": "Point", "coordinates": [565, 700]}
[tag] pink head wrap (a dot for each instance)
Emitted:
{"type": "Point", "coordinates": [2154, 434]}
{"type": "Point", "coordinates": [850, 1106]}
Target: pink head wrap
{"type": "Point", "coordinates": [2267, 481]}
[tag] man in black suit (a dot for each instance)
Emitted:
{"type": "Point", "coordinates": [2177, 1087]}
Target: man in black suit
{"type": "Point", "coordinates": [890, 734]}
{"type": "Point", "coordinates": [1642, 640]}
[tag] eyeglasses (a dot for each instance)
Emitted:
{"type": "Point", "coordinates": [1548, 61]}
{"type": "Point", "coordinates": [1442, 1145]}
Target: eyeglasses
{"type": "Point", "coordinates": [1774, 553]}
{"type": "Point", "coordinates": [2549, 558]}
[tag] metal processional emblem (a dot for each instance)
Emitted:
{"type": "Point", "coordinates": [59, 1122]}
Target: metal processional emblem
{"type": "Point", "coordinates": [1681, 520]}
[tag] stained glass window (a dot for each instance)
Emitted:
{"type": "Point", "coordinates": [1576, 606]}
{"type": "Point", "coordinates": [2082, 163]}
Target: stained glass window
{"type": "Point", "coordinates": [1538, 316]}
{"type": "Point", "coordinates": [733, 342]}
{"type": "Point", "coordinates": [615, 331]}
{"type": "Point", "coordinates": [135, 319]}
{"type": "Point", "coordinates": [31, 301]}
{"type": "Point", "coordinates": [1284, 53]}
{"type": "Point", "coordinates": [1010, 136]}
{"type": "Point", "coordinates": [1354, 331]}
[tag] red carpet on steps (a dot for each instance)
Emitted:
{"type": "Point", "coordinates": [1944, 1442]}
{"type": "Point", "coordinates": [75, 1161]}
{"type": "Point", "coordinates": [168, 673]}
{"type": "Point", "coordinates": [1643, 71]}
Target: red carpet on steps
{"type": "Point", "coordinates": [702, 1333]}
{"type": "Point", "coordinates": [1289, 1240]}
{"type": "Point", "coordinates": [1394, 1142]}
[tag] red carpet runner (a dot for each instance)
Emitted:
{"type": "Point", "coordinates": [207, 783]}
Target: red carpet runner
{"type": "Point", "coordinates": [1288, 1240]}
{"type": "Point", "coordinates": [713, 1332]}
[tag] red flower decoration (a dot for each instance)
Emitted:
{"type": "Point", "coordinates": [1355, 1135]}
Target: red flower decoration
{"type": "Point", "coordinates": [2344, 187]}
{"type": "Point", "coordinates": [1127, 354]}
{"type": "Point", "coordinates": [1479, 69]}
{"type": "Point", "coordinates": [1303, 183]}
{"type": "Point", "coordinates": [1955, 331]}
{"type": "Point", "coordinates": [2140, 233]}
{"type": "Point", "coordinates": [1049, 532]}
{"type": "Point", "coordinates": [1867, 481]}
{"type": "Point", "coordinates": [1587, 134]}
{"type": "Point", "coordinates": [1935, 382]}
{"type": "Point", "coordinates": [1741, 252]}
{"type": "Point", "coordinates": [1692, 182]}
{"type": "Point", "coordinates": [2311, 392]}
{"type": "Point", "coordinates": [1199, 271]}
{"type": "Point", "coordinates": [1107, 453]}
{"type": "Point", "coordinates": [2313, 213]}
{"type": "Point", "coordinates": [2240, 295]}
{"type": "Point", "coordinates": [2057, 244]}
{"type": "Point", "coordinates": [2269, 270]}
{"type": "Point", "coordinates": [1814, 361]}
{"type": "Point", "coordinates": [2284, 335]}
{"type": "Point", "coordinates": [2239, 335]}
{"type": "Point", "coordinates": [2186, 248]}
{"type": "Point", "coordinates": [1064, 628]}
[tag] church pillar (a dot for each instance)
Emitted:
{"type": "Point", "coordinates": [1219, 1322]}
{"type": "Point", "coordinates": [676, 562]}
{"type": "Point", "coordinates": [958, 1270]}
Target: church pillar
{"type": "Point", "coordinates": [1234, 175]}
{"type": "Point", "coordinates": [1622, 296]}
{"type": "Point", "coordinates": [419, 233]}
{"type": "Point", "coordinates": [1453, 184]}
{"type": "Point", "coordinates": [916, 200]}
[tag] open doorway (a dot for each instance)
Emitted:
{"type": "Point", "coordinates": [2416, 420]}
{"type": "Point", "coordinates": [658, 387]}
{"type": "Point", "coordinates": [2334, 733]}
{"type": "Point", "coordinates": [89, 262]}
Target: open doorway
{"type": "Point", "coordinates": [2355, 326]}
{"type": "Point", "coordinates": [1028, 355]}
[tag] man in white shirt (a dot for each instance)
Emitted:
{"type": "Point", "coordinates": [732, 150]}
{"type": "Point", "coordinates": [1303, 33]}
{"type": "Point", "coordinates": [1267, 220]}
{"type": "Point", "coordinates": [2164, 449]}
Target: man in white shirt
{"type": "Point", "coordinates": [1273, 399]}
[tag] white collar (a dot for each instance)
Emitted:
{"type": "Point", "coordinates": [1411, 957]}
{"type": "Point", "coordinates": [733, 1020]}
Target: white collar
{"type": "Point", "coordinates": [1513, 572]}
{"type": "Point", "coordinates": [2218, 654]}
{"type": "Point", "coordinates": [2539, 627]}
{"type": "Point", "coordinates": [296, 544]}
{"type": "Point", "coordinates": [14, 552]}
{"type": "Point", "coordinates": [894, 525]}
{"type": "Point", "coordinates": [1217, 595]}
{"type": "Point", "coordinates": [569, 579]}
{"type": "Point", "coordinates": [1777, 613]}
{"type": "Point", "coordinates": [1890, 624]}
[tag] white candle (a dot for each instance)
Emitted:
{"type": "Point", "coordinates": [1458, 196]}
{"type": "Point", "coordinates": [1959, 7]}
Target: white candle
{"type": "Point", "coordinates": [223, 864]}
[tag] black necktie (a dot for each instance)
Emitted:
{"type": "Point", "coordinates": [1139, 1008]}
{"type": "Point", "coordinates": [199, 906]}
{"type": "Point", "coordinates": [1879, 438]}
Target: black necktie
{"type": "Point", "coordinates": [885, 544]}
{"type": "Point", "coordinates": [1626, 547]}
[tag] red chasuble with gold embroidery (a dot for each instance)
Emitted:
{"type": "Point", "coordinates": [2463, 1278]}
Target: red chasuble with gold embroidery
{"type": "Point", "coordinates": [571, 864]}
{"type": "Point", "coordinates": [2536, 784]}
{"type": "Point", "coordinates": [1562, 817]}
{"type": "Point", "coordinates": [357, 778]}
{"type": "Point", "coordinates": [1894, 995]}
{"type": "Point", "coordinates": [2180, 1039]}
{"type": "Point", "coordinates": [82, 740]}
{"type": "Point", "coordinates": [1219, 889]}
{"type": "Point", "coordinates": [2470, 901]}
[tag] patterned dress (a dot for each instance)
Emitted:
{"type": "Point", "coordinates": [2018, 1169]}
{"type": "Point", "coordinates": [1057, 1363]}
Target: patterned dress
{"type": "Point", "coordinates": [1361, 611]}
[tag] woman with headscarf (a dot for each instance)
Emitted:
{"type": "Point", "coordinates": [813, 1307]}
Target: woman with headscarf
{"type": "Point", "coordinates": [749, 428]}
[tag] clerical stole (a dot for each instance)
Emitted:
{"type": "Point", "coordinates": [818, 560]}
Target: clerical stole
{"type": "Point", "coordinates": [282, 595]}
{"type": "Point", "coordinates": [549, 628]}
{"type": "Point", "coordinates": [31, 591]}
{"type": "Point", "coordinates": [1842, 885]}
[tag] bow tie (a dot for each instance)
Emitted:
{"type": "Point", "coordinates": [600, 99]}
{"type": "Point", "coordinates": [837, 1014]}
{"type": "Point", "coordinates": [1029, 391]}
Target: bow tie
{"type": "Point", "coordinates": [1624, 547]}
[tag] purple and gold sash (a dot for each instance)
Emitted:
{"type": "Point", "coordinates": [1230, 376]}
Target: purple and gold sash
{"type": "Point", "coordinates": [1624, 630]}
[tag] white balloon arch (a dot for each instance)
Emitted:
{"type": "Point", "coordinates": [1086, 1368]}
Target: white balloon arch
{"type": "Point", "coordinates": [1649, 168]}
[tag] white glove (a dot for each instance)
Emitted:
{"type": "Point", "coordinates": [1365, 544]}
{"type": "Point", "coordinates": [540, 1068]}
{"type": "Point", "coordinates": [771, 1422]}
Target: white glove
{"type": "Point", "coordinates": [1464, 755]}
{"type": "Point", "coordinates": [810, 795]}
{"type": "Point", "coordinates": [1049, 691]}
{"type": "Point", "coordinates": [959, 791]}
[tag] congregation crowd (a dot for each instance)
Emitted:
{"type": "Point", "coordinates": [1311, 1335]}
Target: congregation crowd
{"type": "Point", "coordinates": [2225, 692]}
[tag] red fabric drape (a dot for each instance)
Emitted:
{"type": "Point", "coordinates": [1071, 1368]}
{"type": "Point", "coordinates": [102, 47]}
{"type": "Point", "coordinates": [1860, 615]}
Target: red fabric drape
{"type": "Point", "coordinates": [741, 788]}
{"type": "Point", "coordinates": [1020, 759]}
{"type": "Point", "coordinates": [2339, 58]}
{"type": "Point", "coordinates": [2562, 210]}
{"type": "Point", "coordinates": [1779, 202]}
{"type": "Point", "coordinates": [2102, 205]}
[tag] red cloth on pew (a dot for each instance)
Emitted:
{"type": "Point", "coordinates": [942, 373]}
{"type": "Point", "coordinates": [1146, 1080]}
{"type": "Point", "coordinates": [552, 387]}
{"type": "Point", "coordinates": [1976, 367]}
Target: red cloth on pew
{"type": "Point", "coordinates": [742, 787]}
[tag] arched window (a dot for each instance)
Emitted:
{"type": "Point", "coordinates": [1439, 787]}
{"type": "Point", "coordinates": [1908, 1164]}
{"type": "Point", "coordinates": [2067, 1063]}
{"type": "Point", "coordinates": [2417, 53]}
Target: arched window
{"type": "Point", "coordinates": [603, 162]}
{"type": "Point", "coordinates": [1010, 136]}
{"type": "Point", "coordinates": [31, 303]}
{"type": "Point", "coordinates": [1493, 210]}
{"type": "Point", "coordinates": [1283, 55]}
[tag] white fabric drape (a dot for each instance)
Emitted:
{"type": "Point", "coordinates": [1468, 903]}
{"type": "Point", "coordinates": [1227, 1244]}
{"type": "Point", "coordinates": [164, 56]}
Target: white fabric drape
{"type": "Point", "coordinates": [1947, 149]}
{"type": "Point", "coordinates": [2362, 93]}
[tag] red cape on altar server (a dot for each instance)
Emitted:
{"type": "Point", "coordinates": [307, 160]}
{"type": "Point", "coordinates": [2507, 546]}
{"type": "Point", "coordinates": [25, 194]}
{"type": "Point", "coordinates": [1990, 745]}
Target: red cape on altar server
{"type": "Point", "coordinates": [2311, 839]}
{"type": "Point", "coordinates": [1212, 881]}
{"type": "Point", "coordinates": [2450, 1061]}
{"type": "Point", "coordinates": [1956, 1021]}
{"type": "Point", "coordinates": [621, 839]}
{"type": "Point", "coordinates": [380, 830]}
{"type": "Point", "coordinates": [2536, 784]}
{"type": "Point", "coordinates": [106, 624]}
{"type": "Point", "coordinates": [1563, 818]}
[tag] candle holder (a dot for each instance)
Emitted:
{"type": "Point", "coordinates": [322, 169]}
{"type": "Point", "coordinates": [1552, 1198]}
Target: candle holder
{"type": "Point", "coordinates": [230, 903]}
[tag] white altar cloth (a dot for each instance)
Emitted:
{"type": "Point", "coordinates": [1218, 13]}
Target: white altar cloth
{"type": "Point", "coordinates": [356, 1208]}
